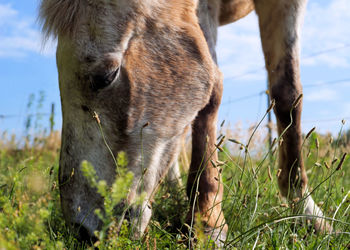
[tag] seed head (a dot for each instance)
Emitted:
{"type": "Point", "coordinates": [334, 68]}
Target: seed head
{"type": "Point", "coordinates": [318, 164]}
{"type": "Point", "coordinates": [341, 162]}
{"type": "Point", "coordinates": [331, 140]}
{"type": "Point", "coordinates": [310, 132]}
{"type": "Point", "coordinates": [272, 105]}
{"type": "Point", "coordinates": [220, 163]}
{"type": "Point", "coordinates": [297, 101]}
{"type": "Point", "coordinates": [96, 117]}
{"type": "Point", "coordinates": [326, 165]}
{"type": "Point", "coordinates": [279, 172]}
{"type": "Point", "coordinates": [235, 141]}
{"type": "Point", "coordinates": [222, 124]}
{"type": "Point", "coordinates": [221, 141]}
{"type": "Point", "coordinates": [54, 185]}
{"type": "Point", "coordinates": [308, 154]}
{"type": "Point", "coordinates": [220, 148]}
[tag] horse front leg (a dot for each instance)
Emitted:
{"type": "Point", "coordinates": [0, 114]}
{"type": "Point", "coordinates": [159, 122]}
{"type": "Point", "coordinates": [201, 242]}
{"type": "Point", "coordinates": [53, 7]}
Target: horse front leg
{"type": "Point", "coordinates": [204, 187]}
{"type": "Point", "coordinates": [279, 22]}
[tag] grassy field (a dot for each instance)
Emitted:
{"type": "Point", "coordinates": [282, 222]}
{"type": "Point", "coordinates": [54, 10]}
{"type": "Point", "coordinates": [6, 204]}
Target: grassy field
{"type": "Point", "coordinates": [31, 218]}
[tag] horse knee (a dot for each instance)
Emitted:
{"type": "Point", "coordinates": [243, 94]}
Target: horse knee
{"type": "Point", "coordinates": [285, 92]}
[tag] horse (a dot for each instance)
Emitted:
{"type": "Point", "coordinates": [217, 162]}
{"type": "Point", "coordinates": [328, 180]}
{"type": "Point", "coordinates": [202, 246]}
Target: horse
{"type": "Point", "coordinates": [146, 70]}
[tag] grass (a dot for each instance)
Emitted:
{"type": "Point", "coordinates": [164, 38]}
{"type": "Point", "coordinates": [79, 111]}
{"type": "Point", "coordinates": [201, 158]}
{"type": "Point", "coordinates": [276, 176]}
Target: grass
{"type": "Point", "coordinates": [31, 218]}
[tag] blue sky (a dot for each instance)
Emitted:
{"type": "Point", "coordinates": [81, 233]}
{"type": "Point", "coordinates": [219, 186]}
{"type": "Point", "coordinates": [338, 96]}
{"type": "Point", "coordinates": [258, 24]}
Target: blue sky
{"type": "Point", "coordinates": [26, 68]}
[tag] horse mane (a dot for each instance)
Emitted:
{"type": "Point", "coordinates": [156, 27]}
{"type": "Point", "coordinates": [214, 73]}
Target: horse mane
{"type": "Point", "coordinates": [60, 17]}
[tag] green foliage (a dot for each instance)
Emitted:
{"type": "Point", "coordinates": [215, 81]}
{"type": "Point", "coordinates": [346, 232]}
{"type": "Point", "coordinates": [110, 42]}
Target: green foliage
{"type": "Point", "coordinates": [112, 196]}
{"type": "Point", "coordinates": [26, 201]}
{"type": "Point", "coordinates": [31, 217]}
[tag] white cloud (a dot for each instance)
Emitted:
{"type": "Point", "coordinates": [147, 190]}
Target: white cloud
{"type": "Point", "coordinates": [6, 12]}
{"type": "Point", "coordinates": [325, 27]}
{"type": "Point", "coordinates": [324, 94]}
{"type": "Point", "coordinates": [239, 50]}
{"type": "Point", "coordinates": [19, 36]}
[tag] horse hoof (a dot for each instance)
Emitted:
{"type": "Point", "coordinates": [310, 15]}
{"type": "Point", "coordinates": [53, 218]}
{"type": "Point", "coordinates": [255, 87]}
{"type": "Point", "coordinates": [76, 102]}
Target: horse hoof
{"type": "Point", "coordinates": [217, 235]}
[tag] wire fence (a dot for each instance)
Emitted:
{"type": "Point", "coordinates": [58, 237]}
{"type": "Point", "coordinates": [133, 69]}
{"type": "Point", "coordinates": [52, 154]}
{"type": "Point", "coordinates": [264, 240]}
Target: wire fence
{"type": "Point", "coordinates": [242, 98]}
{"type": "Point", "coordinates": [312, 55]}
{"type": "Point", "coordinates": [237, 99]}
{"type": "Point", "coordinates": [27, 115]}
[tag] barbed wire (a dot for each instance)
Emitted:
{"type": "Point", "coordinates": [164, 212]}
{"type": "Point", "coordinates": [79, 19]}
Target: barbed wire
{"type": "Point", "coordinates": [327, 83]}
{"type": "Point", "coordinates": [243, 98]}
{"type": "Point", "coordinates": [326, 51]}
{"type": "Point", "coordinates": [239, 99]}
{"type": "Point", "coordinates": [327, 120]}
{"type": "Point", "coordinates": [312, 55]}
{"type": "Point", "coordinates": [27, 115]}
{"type": "Point", "coordinates": [315, 54]}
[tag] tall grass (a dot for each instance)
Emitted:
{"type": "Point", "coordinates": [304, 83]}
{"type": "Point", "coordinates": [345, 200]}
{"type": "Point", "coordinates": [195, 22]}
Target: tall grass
{"type": "Point", "coordinates": [256, 214]}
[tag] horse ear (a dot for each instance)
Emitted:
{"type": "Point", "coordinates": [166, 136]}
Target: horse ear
{"type": "Point", "coordinates": [233, 10]}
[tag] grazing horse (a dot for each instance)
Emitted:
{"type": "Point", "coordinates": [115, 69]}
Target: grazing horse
{"type": "Point", "coordinates": [152, 62]}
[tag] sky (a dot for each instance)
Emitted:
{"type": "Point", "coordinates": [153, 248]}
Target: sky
{"type": "Point", "coordinates": [26, 67]}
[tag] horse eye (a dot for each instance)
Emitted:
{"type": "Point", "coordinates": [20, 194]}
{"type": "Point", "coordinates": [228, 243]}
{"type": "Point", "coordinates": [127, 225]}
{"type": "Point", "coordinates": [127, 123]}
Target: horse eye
{"type": "Point", "coordinates": [100, 81]}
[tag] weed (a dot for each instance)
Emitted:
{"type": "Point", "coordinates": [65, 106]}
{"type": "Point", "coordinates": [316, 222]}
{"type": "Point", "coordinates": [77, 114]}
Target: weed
{"type": "Point", "coordinates": [31, 217]}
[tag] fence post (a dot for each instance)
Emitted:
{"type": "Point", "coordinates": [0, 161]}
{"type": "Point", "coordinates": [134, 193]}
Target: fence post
{"type": "Point", "coordinates": [52, 117]}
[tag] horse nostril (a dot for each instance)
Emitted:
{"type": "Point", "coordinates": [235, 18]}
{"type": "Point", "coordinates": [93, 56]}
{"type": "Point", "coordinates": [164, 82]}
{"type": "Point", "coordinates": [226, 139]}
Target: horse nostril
{"type": "Point", "coordinates": [83, 234]}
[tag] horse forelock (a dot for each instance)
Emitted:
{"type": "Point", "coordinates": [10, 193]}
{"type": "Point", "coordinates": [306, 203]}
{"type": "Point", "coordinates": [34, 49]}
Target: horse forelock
{"type": "Point", "coordinates": [62, 17]}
